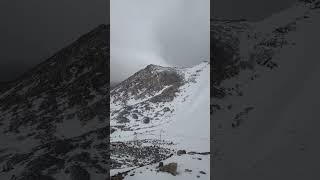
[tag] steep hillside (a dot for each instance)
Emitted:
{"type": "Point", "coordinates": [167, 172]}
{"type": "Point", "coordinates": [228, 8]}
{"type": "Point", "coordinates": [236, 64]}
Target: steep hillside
{"type": "Point", "coordinates": [163, 109]}
{"type": "Point", "coordinates": [54, 120]}
{"type": "Point", "coordinates": [266, 120]}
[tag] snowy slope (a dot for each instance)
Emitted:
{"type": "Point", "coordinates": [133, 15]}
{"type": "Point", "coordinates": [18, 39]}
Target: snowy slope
{"type": "Point", "coordinates": [273, 124]}
{"type": "Point", "coordinates": [54, 120]}
{"type": "Point", "coordinates": [185, 162]}
{"type": "Point", "coordinates": [182, 121]}
{"type": "Point", "coordinates": [189, 100]}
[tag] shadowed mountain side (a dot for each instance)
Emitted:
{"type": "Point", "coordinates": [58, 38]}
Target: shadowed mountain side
{"type": "Point", "coordinates": [55, 118]}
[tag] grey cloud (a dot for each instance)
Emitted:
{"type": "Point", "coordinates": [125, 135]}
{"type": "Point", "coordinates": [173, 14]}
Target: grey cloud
{"type": "Point", "coordinates": [166, 32]}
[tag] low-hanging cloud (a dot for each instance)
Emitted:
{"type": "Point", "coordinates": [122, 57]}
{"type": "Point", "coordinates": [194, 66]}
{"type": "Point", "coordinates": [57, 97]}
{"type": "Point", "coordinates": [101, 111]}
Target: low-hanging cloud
{"type": "Point", "coordinates": [162, 32]}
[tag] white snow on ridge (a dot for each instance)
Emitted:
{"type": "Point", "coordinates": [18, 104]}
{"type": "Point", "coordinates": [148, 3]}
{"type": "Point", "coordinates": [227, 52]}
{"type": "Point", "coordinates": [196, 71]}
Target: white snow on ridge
{"type": "Point", "coordinates": [191, 122]}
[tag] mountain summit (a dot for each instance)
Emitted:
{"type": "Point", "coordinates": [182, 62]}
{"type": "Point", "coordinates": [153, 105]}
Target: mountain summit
{"type": "Point", "coordinates": [158, 111]}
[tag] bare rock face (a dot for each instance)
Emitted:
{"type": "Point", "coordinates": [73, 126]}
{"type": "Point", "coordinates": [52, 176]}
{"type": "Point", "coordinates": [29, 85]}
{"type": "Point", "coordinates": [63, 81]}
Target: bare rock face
{"type": "Point", "coordinates": [147, 83]}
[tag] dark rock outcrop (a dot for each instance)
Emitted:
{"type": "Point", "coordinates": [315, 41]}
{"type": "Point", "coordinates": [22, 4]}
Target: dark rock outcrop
{"type": "Point", "coordinates": [181, 152]}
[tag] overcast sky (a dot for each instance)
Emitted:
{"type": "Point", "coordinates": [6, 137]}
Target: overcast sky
{"type": "Point", "coordinates": [163, 32]}
{"type": "Point", "coordinates": [33, 30]}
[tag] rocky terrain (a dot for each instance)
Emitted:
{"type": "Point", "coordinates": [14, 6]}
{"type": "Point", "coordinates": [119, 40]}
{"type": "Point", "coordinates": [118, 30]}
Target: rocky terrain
{"type": "Point", "coordinates": [263, 95]}
{"type": "Point", "coordinates": [154, 116]}
{"type": "Point", "coordinates": [54, 119]}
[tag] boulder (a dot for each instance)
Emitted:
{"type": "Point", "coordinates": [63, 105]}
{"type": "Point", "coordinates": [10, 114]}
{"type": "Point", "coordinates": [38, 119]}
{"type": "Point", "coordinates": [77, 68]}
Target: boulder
{"type": "Point", "coordinates": [170, 168]}
{"type": "Point", "coordinates": [146, 120]}
{"type": "Point", "coordinates": [181, 152]}
{"type": "Point", "coordinates": [160, 164]}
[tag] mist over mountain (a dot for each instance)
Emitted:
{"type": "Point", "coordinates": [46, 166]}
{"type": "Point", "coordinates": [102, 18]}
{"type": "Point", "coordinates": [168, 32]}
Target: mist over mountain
{"type": "Point", "coordinates": [158, 32]}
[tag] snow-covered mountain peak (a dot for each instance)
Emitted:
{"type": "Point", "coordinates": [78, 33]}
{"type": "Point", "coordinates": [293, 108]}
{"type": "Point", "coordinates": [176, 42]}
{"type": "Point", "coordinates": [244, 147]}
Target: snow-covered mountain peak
{"type": "Point", "coordinates": [156, 83]}
{"type": "Point", "coordinates": [147, 83]}
{"type": "Point", "coordinates": [160, 106]}
{"type": "Point", "coordinates": [153, 67]}
{"type": "Point", "coordinates": [154, 93]}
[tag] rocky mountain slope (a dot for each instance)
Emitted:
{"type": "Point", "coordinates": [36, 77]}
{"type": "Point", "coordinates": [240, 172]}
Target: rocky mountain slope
{"type": "Point", "coordinates": [264, 109]}
{"type": "Point", "coordinates": [157, 112]}
{"type": "Point", "coordinates": [54, 119]}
